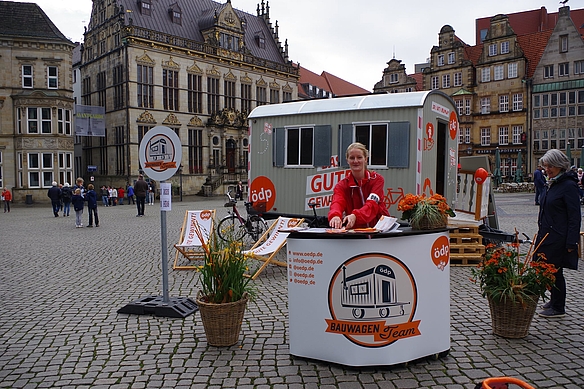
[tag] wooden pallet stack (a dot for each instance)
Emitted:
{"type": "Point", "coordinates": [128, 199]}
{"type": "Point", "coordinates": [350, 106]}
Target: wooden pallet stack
{"type": "Point", "coordinates": [466, 247]}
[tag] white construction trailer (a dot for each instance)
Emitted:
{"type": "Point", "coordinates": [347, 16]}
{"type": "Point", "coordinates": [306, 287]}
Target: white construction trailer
{"type": "Point", "coordinates": [297, 149]}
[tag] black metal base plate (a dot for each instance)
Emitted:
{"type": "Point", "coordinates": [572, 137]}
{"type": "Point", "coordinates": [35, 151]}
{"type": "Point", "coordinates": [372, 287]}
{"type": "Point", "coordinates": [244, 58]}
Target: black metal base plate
{"type": "Point", "coordinates": [179, 307]}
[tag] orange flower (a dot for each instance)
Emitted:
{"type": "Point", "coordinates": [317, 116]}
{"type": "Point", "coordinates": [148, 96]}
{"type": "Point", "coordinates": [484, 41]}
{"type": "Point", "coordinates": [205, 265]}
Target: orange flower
{"type": "Point", "coordinates": [506, 273]}
{"type": "Point", "coordinates": [410, 202]}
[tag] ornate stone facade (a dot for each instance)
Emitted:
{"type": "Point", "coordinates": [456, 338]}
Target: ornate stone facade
{"type": "Point", "coordinates": [200, 77]}
{"type": "Point", "coordinates": [36, 104]}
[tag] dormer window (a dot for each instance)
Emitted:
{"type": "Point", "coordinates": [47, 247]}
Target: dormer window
{"type": "Point", "coordinates": [176, 17]}
{"type": "Point", "coordinates": [229, 42]}
{"type": "Point", "coordinates": [145, 7]}
{"type": "Point", "coordinates": [175, 14]}
{"type": "Point", "coordinates": [260, 40]}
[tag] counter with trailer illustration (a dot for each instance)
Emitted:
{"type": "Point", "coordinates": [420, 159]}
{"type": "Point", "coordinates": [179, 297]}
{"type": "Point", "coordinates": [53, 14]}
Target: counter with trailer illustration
{"type": "Point", "coordinates": [367, 300]}
{"type": "Point", "coordinates": [297, 149]}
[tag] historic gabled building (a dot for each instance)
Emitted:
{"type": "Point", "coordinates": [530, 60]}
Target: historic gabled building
{"type": "Point", "coordinates": [395, 79]}
{"type": "Point", "coordinates": [452, 71]}
{"type": "Point", "coordinates": [36, 104]}
{"type": "Point", "coordinates": [500, 115]}
{"type": "Point", "coordinates": [557, 109]}
{"type": "Point", "coordinates": [198, 67]}
{"type": "Point", "coordinates": [489, 84]}
{"type": "Point", "coordinates": [528, 22]}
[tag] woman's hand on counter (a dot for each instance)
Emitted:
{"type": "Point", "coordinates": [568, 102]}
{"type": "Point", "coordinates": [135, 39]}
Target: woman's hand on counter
{"type": "Point", "coordinates": [336, 222]}
{"type": "Point", "coordinates": [349, 221]}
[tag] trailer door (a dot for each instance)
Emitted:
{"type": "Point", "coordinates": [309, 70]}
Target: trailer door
{"type": "Point", "coordinates": [441, 158]}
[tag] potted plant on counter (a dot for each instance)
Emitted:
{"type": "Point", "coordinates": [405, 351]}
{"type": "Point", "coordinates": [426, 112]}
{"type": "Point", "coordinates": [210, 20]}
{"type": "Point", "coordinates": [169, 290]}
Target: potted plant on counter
{"type": "Point", "coordinates": [225, 289]}
{"type": "Point", "coordinates": [425, 213]}
{"type": "Point", "coordinates": [513, 283]}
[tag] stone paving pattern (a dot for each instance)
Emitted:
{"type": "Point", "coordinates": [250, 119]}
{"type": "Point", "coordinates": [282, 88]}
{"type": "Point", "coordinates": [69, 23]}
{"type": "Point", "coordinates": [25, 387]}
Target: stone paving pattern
{"type": "Point", "coordinates": [61, 286]}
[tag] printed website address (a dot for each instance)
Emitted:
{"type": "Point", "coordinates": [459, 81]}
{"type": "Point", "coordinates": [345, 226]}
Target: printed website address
{"type": "Point", "coordinates": [308, 261]}
{"type": "Point", "coordinates": [307, 254]}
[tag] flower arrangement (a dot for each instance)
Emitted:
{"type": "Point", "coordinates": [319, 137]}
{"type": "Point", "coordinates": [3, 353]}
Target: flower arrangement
{"type": "Point", "coordinates": [420, 210]}
{"type": "Point", "coordinates": [223, 274]}
{"type": "Point", "coordinates": [505, 274]}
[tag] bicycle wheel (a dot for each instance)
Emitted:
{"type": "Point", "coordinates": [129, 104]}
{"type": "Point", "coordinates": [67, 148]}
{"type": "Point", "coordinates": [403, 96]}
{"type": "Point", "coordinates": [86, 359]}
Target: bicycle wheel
{"type": "Point", "coordinates": [230, 228]}
{"type": "Point", "coordinates": [256, 227]}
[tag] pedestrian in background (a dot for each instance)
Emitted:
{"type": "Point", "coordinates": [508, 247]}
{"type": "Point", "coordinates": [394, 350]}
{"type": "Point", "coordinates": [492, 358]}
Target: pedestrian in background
{"type": "Point", "coordinates": [151, 192]}
{"type": "Point", "coordinates": [131, 194]}
{"type": "Point", "coordinates": [538, 182]}
{"type": "Point", "coordinates": [66, 194]}
{"type": "Point", "coordinates": [580, 187]}
{"type": "Point", "coordinates": [109, 196]}
{"type": "Point", "coordinates": [121, 194]}
{"type": "Point", "coordinates": [141, 191]}
{"type": "Point", "coordinates": [7, 198]}
{"type": "Point", "coordinates": [79, 185]}
{"type": "Point", "coordinates": [114, 196]}
{"type": "Point", "coordinates": [104, 196]}
{"type": "Point", "coordinates": [558, 226]}
{"type": "Point", "coordinates": [61, 198]}
{"type": "Point", "coordinates": [239, 191]}
{"type": "Point", "coordinates": [91, 198]}
{"type": "Point", "coordinates": [77, 201]}
{"type": "Point", "coordinates": [54, 194]}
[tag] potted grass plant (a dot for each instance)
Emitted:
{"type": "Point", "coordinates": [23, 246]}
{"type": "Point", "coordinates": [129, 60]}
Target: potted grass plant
{"type": "Point", "coordinates": [225, 288]}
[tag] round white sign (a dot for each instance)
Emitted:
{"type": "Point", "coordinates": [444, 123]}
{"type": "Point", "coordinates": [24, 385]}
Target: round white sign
{"type": "Point", "coordinates": [160, 153]}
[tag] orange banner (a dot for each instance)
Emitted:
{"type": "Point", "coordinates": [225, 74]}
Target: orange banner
{"type": "Point", "coordinates": [161, 164]}
{"type": "Point", "coordinates": [379, 329]}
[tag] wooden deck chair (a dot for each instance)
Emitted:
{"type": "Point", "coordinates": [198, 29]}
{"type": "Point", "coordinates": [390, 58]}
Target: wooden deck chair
{"type": "Point", "coordinates": [266, 248]}
{"type": "Point", "coordinates": [189, 245]}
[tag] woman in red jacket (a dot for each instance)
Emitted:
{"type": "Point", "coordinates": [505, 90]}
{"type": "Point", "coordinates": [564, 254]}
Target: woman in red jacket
{"type": "Point", "coordinates": [358, 198]}
{"type": "Point", "coordinates": [7, 197]}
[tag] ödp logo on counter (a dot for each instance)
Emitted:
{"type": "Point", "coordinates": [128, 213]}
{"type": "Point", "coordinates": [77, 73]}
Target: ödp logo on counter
{"type": "Point", "coordinates": [372, 299]}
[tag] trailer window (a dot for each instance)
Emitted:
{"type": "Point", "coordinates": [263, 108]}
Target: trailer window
{"type": "Point", "coordinates": [299, 146]}
{"type": "Point", "coordinates": [374, 137]}
{"type": "Point", "coordinates": [360, 289]}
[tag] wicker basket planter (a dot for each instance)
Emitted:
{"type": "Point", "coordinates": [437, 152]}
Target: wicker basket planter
{"type": "Point", "coordinates": [511, 319]}
{"type": "Point", "coordinates": [222, 322]}
{"type": "Point", "coordinates": [424, 223]}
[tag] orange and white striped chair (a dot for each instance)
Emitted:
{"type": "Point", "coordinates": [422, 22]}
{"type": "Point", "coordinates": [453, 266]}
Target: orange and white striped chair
{"type": "Point", "coordinates": [270, 243]}
{"type": "Point", "coordinates": [190, 246]}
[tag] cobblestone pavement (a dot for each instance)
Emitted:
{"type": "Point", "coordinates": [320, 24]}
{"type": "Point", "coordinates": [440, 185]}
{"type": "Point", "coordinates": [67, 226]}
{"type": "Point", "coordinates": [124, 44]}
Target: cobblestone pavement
{"type": "Point", "coordinates": [61, 287]}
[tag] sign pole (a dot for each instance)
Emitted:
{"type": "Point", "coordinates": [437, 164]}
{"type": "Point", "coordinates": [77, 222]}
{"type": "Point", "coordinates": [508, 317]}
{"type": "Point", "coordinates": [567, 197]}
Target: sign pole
{"type": "Point", "coordinates": [164, 249]}
{"type": "Point", "coordinates": [160, 155]}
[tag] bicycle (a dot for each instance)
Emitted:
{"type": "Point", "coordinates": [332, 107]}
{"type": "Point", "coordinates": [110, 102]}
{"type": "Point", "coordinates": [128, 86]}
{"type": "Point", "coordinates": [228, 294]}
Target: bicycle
{"type": "Point", "coordinates": [235, 227]}
{"type": "Point", "coordinates": [492, 236]}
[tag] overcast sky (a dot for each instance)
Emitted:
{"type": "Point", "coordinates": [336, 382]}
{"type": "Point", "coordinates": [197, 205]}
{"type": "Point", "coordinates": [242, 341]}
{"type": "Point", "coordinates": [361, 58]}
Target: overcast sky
{"type": "Point", "coordinates": [352, 39]}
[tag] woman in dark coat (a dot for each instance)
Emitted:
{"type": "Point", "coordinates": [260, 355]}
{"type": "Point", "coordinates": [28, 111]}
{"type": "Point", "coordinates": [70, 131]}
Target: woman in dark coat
{"type": "Point", "coordinates": [559, 218]}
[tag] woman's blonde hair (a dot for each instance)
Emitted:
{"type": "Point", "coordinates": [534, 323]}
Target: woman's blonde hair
{"type": "Point", "coordinates": [358, 146]}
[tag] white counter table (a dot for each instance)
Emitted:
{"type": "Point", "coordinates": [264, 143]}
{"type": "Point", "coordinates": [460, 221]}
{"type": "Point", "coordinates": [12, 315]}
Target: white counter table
{"type": "Point", "coordinates": [366, 300]}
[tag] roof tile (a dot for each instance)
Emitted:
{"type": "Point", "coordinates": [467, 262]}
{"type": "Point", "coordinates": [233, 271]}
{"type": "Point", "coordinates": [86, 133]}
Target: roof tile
{"type": "Point", "coordinates": [328, 82]}
{"type": "Point", "coordinates": [533, 46]}
{"type": "Point", "coordinates": [27, 20]}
